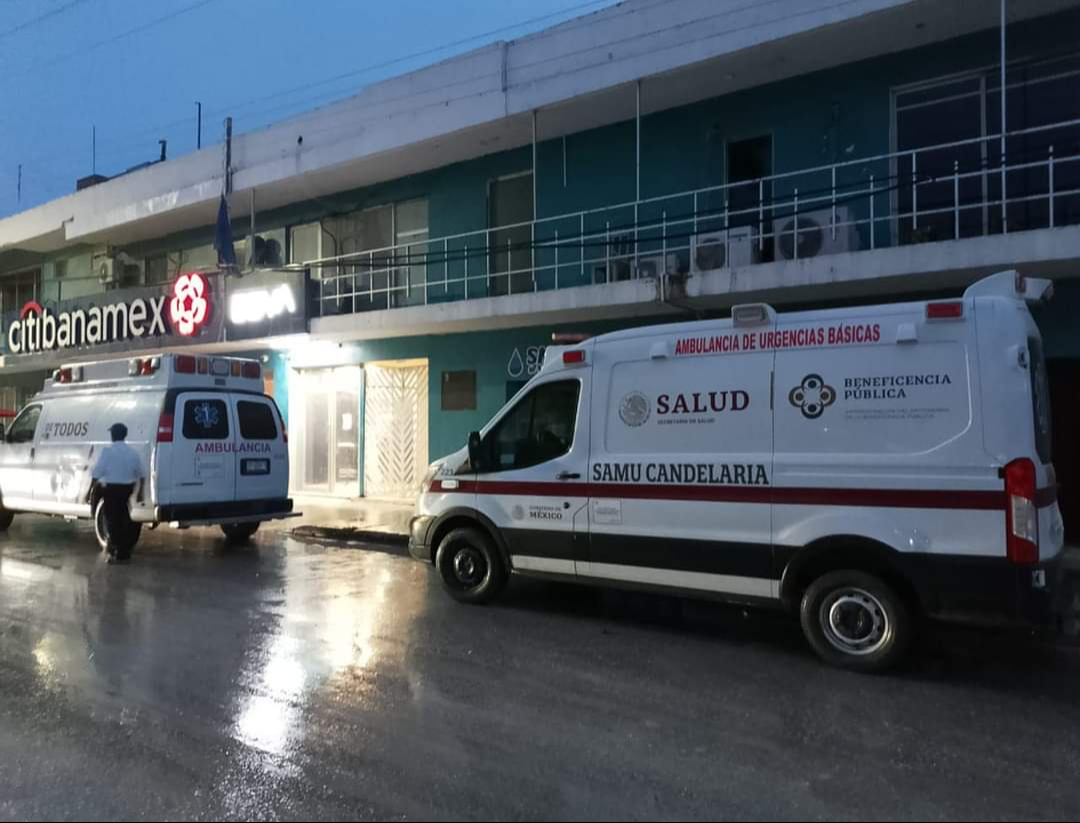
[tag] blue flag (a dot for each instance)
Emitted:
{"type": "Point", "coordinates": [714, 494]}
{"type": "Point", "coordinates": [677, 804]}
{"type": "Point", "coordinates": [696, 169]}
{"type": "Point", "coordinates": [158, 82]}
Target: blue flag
{"type": "Point", "coordinates": [226, 254]}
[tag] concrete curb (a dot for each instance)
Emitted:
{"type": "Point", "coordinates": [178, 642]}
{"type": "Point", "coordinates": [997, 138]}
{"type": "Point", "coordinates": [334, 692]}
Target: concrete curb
{"type": "Point", "coordinates": [348, 535]}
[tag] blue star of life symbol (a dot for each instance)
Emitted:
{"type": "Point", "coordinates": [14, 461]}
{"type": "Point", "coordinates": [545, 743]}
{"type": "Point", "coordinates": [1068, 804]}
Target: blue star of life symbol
{"type": "Point", "coordinates": [206, 415]}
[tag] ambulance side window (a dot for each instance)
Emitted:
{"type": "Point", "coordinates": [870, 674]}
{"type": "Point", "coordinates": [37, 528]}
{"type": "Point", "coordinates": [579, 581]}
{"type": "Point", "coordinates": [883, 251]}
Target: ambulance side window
{"type": "Point", "coordinates": [538, 429]}
{"type": "Point", "coordinates": [206, 419]}
{"type": "Point", "coordinates": [24, 426]}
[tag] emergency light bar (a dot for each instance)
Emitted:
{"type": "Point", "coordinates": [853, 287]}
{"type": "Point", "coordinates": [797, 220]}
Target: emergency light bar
{"type": "Point", "coordinates": [143, 366]}
{"type": "Point", "coordinates": [752, 314]}
{"type": "Point", "coordinates": [68, 374]}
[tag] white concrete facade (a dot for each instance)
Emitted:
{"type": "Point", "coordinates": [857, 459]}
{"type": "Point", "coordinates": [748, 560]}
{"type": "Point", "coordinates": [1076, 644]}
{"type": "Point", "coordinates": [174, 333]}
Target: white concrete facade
{"type": "Point", "coordinates": [482, 102]}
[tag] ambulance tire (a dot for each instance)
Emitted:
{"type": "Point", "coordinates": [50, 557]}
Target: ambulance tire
{"type": "Point", "coordinates": [6, 517]}
{"type": "Point", "coordinates": [471, 567]}
{"type": "Point", "coordinates": [237, 533]}
{"type": "Point", "coordinates": [855, 621]}
{"type": "Point", "coordinates": [101, 531]}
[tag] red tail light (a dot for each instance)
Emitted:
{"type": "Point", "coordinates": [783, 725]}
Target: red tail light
{"type": "Point", "coordinates": [185, 364]}
{"type": "Point", "coordinates": [1021, 513]}
{"type": "Point", "coordinates": [253, 370]}
{"type": "Point", "coordinates": [165, 428]}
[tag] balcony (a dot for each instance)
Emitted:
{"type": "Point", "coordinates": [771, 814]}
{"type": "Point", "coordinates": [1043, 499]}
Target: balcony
{"type": "Point", "coordinates": [928, 196]}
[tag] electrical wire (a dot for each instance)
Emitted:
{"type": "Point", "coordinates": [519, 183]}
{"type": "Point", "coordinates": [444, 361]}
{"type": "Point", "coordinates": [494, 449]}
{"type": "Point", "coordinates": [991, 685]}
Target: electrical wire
{"type": "Point", "coordinates": [33, 21]}
{"type": "Point", "coordinates": [157, 21]}
{"type": "Point", "coordinates": [116, 149]}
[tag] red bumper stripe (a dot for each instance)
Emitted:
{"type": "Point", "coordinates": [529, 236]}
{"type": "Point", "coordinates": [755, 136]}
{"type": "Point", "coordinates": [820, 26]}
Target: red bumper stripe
{"type": "Point", "coordinates": [966, 499]}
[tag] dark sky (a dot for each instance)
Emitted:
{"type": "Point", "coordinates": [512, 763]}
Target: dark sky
{"type": "Point", "coordinates": [134, 68]}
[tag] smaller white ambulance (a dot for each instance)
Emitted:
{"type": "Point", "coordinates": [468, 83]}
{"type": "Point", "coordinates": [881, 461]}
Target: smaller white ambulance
{"type": "Point", "coordinates": [214, 446]}
{"type": "Point", "coordinates": [862, 466]}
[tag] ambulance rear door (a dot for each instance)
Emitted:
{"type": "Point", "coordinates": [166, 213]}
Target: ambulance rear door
{"type": "Point", "coordinates": [262, 454]}
{"type": "Point", "coordinates": [200, 464]}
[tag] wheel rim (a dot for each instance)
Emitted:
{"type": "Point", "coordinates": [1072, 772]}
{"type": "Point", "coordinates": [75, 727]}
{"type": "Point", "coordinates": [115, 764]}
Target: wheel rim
{"type": "Point", "coordinates": [470, 567]}
{"type": "Point", "coordinates": [100, 526]}
{"type": "Point", "coordinates": [855, 621]}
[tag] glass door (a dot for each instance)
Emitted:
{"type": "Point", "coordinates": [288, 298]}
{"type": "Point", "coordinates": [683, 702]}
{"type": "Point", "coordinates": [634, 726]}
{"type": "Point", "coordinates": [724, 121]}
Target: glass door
{"type": "Point", "coordinates": [346, 428]}
{"type": "Point", "coordinates": [329, 453]}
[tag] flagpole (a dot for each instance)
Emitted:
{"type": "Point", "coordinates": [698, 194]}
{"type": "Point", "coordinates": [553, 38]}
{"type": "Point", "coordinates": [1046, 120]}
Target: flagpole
{"type": "Point", "coordinates": [251, 241]}
{"type": "Point", "coordinates": [228, 155]}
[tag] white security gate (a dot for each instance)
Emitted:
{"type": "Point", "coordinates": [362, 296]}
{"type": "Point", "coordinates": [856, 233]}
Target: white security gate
{"type": "Point", "coordinates": [395, 429]}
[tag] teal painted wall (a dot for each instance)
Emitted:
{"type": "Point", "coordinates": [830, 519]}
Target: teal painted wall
{"type": "Point", "coordinates": [488, 353]}
{"type": "Point", "coordinates": [1058, 321]}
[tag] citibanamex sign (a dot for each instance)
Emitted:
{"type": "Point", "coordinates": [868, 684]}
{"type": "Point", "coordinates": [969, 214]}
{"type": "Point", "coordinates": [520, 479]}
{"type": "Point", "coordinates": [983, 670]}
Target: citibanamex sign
{"type": "Point", "coordinates": [185, 311]}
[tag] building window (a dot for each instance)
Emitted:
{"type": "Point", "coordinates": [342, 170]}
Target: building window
{"type": "Point", "coordinates": [966, 110]}
{"type": "Point", "coordinates": [269, 250]}
{"type": "Point", "coordinates": [384, 246]}
{"type": "Point", "coordinates": [459, 391]}
{"type": "Point", "coordinates": [157, 269]}
{"type": "Point", "coordinates": [18, 289]}
{"type": "Point", "coordinates": [410, 237]}
{"type": "Point", "coordinates": [305, 244]}
{"type": "Point", "coordinates": [510, 212]}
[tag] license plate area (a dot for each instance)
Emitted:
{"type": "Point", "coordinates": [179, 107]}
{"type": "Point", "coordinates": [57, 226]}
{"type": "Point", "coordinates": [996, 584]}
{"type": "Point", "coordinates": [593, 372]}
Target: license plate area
{"type": "Point", "coordinates": [254, 466]}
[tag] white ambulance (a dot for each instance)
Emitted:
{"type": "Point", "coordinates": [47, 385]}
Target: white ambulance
{"type": "Point", "coordinates": [862, 466]}
{"type": "Point", "coordinates": [214, 446]}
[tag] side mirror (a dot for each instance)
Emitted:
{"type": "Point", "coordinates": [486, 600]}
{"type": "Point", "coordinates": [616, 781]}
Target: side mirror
{"type": "Point", "coordinates": [475, 451]}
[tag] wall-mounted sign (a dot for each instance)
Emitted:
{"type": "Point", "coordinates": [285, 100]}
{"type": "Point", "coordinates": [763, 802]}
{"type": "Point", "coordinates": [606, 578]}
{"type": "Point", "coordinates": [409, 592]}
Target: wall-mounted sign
{"type": "Point", "coordinates": [265, 304]}
{"type": "Point", "coordinates": [189, 308]}
{"type": "Point", "coordinates": [523, 366]}
{"type": "Point", "coordinates": [130, 316]}
{"type": "Point", "coordinates": [249, 306]}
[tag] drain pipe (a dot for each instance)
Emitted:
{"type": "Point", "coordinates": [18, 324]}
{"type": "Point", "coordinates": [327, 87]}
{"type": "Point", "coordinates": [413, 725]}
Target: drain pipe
{"type": "Point", "coordinates": [664, 298]}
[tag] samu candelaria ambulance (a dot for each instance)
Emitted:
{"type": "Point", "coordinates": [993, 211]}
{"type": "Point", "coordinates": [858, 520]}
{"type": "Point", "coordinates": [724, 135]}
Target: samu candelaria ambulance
{"type": "Point", "coordinates": [860, 466]}
{"type": "Point", "coordinates": [214, 446]}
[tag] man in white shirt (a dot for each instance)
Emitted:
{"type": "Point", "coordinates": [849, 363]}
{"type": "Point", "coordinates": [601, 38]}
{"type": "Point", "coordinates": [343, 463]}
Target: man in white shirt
{"type": "Point", "coordinates": [118, 469]}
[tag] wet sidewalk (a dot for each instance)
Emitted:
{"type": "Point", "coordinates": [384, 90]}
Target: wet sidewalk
{"type": "Point", "coordinates": [346, 519]}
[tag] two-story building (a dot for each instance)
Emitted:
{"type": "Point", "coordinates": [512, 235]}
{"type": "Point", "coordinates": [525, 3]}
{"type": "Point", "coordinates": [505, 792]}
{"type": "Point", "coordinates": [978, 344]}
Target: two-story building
{"type": "Point", "coordinates": [656, 159]}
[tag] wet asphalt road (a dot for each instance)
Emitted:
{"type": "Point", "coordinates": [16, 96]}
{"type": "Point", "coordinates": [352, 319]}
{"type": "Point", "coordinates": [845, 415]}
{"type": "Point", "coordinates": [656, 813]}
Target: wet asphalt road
{"type": "Point", "coordinates": [300, 681]}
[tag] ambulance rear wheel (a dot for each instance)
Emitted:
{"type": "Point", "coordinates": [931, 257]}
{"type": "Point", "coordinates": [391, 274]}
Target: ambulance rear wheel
{"type": "Point", "coordinates": [101, 530]}
{"type": "Point", "coordinates": [854, 620]}
{"type": "Point", "coordinates": [470, 566]}
{"type": "Point", "coordinates": [236, 533]}
{"type": "Point", "coordinates": [6, 517]}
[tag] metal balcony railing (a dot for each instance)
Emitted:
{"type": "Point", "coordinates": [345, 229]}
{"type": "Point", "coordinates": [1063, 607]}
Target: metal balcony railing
{"type": "Point", "coordinates": [943, 192]}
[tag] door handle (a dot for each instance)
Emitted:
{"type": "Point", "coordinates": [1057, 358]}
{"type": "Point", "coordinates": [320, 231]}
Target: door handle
{"type": "Point", "coordinates": [568, 476]}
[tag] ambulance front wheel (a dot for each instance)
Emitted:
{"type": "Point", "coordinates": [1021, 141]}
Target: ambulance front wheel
{"type": "Point", "coordinates": [470, 566]}
{"type": "Point", "coordinates": [856, 621]}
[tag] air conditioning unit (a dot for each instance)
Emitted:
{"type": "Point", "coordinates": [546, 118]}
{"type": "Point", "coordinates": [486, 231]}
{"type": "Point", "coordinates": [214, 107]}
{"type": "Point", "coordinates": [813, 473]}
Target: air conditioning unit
{"type": "Point", "coordinates": [817, 235]}
{"type": "Point", "coordinates": [655, 265]}
{"type": "Point", "coordinates": [723, 249]}
{"type": "Point", "coordinates": [107, 268]}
